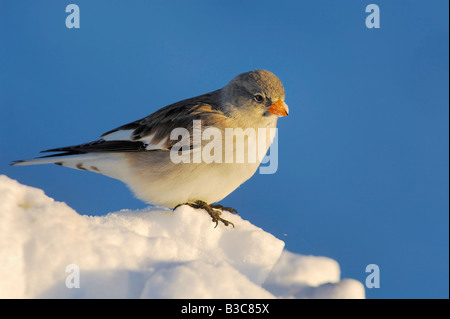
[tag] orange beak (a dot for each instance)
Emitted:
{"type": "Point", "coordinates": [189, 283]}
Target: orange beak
{"type": "Point", "coordinates": [279, 108]}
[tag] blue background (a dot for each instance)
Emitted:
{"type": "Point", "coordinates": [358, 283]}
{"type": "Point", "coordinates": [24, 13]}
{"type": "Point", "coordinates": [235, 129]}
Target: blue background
{"type": "Point", "coordinates": [363, 156]}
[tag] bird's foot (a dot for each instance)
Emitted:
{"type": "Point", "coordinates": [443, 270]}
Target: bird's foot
{"type": "Point", "coordinates": [222, 208]}
{"type": "Point", "coordinates": [213, 210]}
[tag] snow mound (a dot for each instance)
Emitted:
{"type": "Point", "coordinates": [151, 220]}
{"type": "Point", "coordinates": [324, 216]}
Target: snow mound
{"type": "Point", "coordinates": [48, 250]}
{"type": "Point", "coordinates": [299, 276]}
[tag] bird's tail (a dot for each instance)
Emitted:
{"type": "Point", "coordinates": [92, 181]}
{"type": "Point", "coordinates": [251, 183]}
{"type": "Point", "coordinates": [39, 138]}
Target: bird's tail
{"type": "Point", "coordinates": [109, 164]}
{"type": "Point", "coordinates": [59, 160]}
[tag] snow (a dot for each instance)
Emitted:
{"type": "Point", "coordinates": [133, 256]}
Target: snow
{"type": "Point", "coordinates": [149, 253]}
{"type": "Point", "coordinates": [298, 276]}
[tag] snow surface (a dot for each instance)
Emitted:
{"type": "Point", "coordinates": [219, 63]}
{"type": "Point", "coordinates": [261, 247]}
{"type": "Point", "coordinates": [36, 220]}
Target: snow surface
{"type": "Point", "coordinates": [150, 253]}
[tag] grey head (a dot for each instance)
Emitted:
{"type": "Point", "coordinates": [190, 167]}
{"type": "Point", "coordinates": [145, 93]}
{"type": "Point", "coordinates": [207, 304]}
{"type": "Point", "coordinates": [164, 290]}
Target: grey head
{"type": "Point", "coordinates": [254, 95]}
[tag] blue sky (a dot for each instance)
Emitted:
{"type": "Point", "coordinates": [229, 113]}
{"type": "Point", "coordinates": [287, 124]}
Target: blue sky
{"type": "Point", "coordinates": [363, 156]}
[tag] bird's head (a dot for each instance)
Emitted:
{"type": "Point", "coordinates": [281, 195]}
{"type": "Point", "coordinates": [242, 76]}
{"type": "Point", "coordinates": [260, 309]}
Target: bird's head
{"type": "Point", "coordinates": [255, 95]}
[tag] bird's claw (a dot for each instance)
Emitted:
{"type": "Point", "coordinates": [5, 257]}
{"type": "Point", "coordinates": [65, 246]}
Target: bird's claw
{"type": "Point", "coordinates": [213, 210]}
{"type": "Point", "coordinates": [222, 208]}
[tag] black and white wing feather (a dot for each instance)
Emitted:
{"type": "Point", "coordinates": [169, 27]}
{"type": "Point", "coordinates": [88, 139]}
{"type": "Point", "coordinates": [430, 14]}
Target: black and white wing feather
{"type": "Point", "coordinates": [151, 133]}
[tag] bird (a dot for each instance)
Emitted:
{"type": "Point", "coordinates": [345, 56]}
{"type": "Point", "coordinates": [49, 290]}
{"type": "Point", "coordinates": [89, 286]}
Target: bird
{"type": "Point", "coordinates": [141, 153]}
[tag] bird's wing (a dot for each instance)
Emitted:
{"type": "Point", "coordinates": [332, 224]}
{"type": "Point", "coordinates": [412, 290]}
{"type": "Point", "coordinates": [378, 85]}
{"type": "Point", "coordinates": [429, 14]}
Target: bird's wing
{"type": "Point", "coordinates": [152, 133]}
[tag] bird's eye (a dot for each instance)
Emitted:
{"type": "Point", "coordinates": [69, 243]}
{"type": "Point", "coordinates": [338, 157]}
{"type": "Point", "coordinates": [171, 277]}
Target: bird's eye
{"type": "Point", "coordinates": [258, 98]}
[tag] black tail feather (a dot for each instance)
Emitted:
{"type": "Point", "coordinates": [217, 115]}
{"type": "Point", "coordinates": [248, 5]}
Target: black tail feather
{"type": "Point", "coordinates": [100, 146]}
